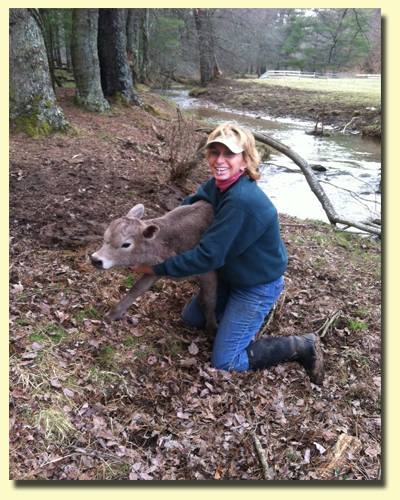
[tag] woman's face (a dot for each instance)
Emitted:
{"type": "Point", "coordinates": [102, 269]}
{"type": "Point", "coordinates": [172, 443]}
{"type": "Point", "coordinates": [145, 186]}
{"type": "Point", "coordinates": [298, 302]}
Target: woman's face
{"type": "Point", "coordinates": [223, 163]}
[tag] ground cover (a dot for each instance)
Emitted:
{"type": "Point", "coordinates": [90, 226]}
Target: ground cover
{"type": "Point", "coordinates": [138, 399]}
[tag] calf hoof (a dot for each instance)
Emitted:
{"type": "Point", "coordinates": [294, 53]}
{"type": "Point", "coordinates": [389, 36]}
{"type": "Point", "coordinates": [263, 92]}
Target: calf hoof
{"type": "Point", "coordinates": [114, 315]}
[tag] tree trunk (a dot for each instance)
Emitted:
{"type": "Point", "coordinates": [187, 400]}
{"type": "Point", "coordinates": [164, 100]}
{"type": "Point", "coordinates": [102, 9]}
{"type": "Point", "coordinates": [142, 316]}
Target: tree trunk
{"type": "Point", "coordinates": [116, 76]}
{"type": "Point", "coordinates": [132, 42]}
{"type": "Point", "coordinates": [216, 71]}
{"type": "Point", "coordinates": [85, 60]}
{"type": "Point", "coordinates": [202, 22]}
{"type": "Point", "coordinates": [33, 105]}
{"type": "Point", "coordinates": [57, 44]}
{"type": "Point", "coordinates": [41, 18]}
{"type": "Point", "coordinates": [144, 45]}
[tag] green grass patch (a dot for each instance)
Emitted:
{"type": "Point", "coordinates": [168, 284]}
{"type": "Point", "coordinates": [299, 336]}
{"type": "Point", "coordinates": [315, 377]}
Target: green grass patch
{"type": "Point", "coordinates": [362, 311]}
{"type": "Point", "coordinates": [106, 357]}
{"type": "Point", "coordinates": [356, 325]}
{"type": "Point", "coordinates": [103, 378]}
{"type": "Point", "coordinates": [131, 342]}
{"type": "Point", "coordinates": [48, 332]}
{"type": "Point", "coordinates": [129, 281]}
{"type": "Point", "coordinates": [87, 313]}
{"type": "Point", "coordinates": [362, 87]}
{"type": "Point", "coordinates": [22, 322]}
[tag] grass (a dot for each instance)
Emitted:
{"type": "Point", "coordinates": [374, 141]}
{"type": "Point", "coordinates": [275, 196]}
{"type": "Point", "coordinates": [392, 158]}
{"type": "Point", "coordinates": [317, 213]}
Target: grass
{"type": "Point", "coordinates": [129, 281]}
{"type": "Point", "coordinates": [371, 87]}
{"type": "Point", "coordinates": [106, 356]}
{"type": "Point", "coordinates": [356, 325]}
{"type": "Point", "coordinates": [350, 92]}
{"type": "Point", "coordinates": [54, 332]}
{"type": "Point", "coordinates": [87, 313]}
{"type": "Point", "coordinates": [55, 425]}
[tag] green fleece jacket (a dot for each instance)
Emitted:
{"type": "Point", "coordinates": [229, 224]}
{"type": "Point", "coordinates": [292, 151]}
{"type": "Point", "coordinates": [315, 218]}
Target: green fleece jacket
{"type": "Point", "coordinates": [242, 244]}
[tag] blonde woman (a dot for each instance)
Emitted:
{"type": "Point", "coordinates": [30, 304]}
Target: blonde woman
{"type": "Point", "coordinates": [244, 246]}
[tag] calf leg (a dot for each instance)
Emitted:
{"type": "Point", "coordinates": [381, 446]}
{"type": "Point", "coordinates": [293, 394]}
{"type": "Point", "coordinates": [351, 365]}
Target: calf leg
{"type": "Point", "coordinates": [139, 288]}
{"type": "Point", "coordinates": [208, 299]}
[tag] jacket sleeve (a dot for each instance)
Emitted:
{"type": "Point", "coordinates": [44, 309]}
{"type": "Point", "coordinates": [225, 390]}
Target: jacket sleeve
{"type": "Point", "coordinates": [201, 194]}
{"type": "Point", "coordinates": [230, 234]}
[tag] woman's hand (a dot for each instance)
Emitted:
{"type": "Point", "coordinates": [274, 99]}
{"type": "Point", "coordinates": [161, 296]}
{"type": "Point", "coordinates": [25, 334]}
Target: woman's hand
{"type": "Point", "coordinates": [143, 269]}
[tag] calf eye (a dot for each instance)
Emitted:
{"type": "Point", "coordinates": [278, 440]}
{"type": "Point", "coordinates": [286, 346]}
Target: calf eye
{"type": "Point", "coordinates": [125, 245]}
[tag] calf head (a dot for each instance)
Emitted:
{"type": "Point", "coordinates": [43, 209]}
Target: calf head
{"type": "Point", "coordinates": [126, 241]}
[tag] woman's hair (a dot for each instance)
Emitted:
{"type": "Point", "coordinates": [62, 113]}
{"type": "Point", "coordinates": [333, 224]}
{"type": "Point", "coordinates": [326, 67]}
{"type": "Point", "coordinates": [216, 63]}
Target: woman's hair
{"type": "Point", "coordinates": [245, 139]}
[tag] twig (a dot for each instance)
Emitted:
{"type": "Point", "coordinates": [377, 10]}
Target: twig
{"type": "Point", "coordinates": [269, 474]}
{"type": "Point", "coordinates": [324, 328]}
{"type": "Point", "coordinates": [291, 224]}
{"type": "Point", "coordinates": [57, 459]}
{"type": "Point", "coordinates": [271, 314]}
{"type": "Point", "coordinates": [349, 123]}
{"type": "Point", "coordinates": [268, 322]}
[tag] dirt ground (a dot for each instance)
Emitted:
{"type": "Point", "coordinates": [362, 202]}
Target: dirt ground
{"type": "Point", "coordinates": [137, 399]}
{"type": "Point", "coordinates": [279, 101]}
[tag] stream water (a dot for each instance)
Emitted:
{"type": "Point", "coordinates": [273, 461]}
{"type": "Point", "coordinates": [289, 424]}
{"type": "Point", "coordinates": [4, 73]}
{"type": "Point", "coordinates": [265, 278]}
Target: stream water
{"type": "Point", "coordinates": [353, 164]}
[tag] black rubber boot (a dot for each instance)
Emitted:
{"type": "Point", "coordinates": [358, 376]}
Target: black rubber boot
{"type": "Point", "coordinates": [305, 349]}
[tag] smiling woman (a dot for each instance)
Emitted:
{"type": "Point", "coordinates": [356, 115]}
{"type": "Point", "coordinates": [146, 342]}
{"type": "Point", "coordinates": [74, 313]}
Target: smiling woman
{"type": "Point", "coordinates": [243, 245]}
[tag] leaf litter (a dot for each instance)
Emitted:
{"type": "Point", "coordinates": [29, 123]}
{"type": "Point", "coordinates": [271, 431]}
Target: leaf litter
{"type": "Point", "coordinates": [138, 399]}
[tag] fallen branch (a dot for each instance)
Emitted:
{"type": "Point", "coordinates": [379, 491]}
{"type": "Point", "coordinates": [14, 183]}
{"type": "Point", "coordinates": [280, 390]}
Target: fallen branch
{"type": "Point", "coordinates": [348, 124]}
{"type": "Point", "coordinates": [269, 474]}
{"type": "Point", "coordinates": [340, 458]}
{"type": "Point", "coordinates": [324, 328]}
{"type": "Point", "coordinates": [312, 181]}
{"type": "Point", "coordinates": [275, 309]}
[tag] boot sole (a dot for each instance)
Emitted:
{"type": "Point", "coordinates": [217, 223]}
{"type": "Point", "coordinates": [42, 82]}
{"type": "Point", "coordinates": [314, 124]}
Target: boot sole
{"type": "Point", "coordinates": [317, 372]}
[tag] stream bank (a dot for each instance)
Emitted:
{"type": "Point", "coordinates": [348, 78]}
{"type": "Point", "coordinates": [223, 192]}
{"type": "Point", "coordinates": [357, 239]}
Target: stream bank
{"type": "Point", "coordinates": [281, 101]}
{"type": "Point", "coordinates": [348, 166]}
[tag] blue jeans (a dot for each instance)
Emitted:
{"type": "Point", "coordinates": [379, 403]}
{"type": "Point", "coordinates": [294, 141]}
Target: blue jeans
{"type": "Point", "coordinates": [240, 313]}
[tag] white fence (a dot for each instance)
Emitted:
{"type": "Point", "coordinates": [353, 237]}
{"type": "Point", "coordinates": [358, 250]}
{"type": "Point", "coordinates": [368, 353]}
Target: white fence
{"type": "Point", "coordinates": [374, 76]}
{"type": "Point", "coordinates": [300, 74]}
{"type": "Point", "coordinates": [278, 74]}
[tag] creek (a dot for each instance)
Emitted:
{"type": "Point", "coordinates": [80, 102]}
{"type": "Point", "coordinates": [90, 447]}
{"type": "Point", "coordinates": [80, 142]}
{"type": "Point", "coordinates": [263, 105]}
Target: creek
{"type": "Point", "coordinates": [352, 163]}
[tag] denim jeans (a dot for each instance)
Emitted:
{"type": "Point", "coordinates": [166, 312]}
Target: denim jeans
{"type": "Point", "coordinates": [240, 313]}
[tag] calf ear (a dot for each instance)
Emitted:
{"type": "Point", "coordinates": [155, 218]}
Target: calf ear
{"type": "Point", "coordinates": [136, 212]}
{"type": "Point", "coordinates": [150, 231]}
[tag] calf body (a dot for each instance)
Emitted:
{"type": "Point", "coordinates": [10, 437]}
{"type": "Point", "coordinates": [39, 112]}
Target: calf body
{"type": "Point", "coordinates": [131, 241]}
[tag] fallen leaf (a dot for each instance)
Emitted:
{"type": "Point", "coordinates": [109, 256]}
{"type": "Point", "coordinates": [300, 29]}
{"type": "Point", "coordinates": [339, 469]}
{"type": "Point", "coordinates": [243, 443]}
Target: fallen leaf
{"type": "Point", "coordinates": [29, 355]}
{"type": "Point", "coordinates": [182, 415]}
{"type": "Point", "coordinates": [372, 451]}
{"type": "Point", "coordinates": [17, 288]}
{"type": "Point", "coordinates": [193, 349]}
{"type": "Point", "coordinates": [67, 392]}
{"type": "Point", "coordinates": [54, 382]}
{"type": "Point", "coordinates": [218, 473]}
{"type": "Point", "coordinates": [320, 448]}
{"type": "Point", "coordinates": [152, 360]}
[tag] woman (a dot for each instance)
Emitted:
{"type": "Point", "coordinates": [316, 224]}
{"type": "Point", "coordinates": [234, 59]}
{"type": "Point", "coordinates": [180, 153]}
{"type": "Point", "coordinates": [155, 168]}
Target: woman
{"type": "Point", "coordinates": [244, 246]}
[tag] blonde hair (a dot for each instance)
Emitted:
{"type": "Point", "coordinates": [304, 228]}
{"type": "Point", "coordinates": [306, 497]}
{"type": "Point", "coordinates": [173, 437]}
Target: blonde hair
{"type": "Point", "coordinates": [245, 140]}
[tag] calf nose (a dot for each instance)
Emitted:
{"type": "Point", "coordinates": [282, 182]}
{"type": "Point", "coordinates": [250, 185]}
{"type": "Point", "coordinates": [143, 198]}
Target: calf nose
{"type": "Point", "coordinates": [96, 262]}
